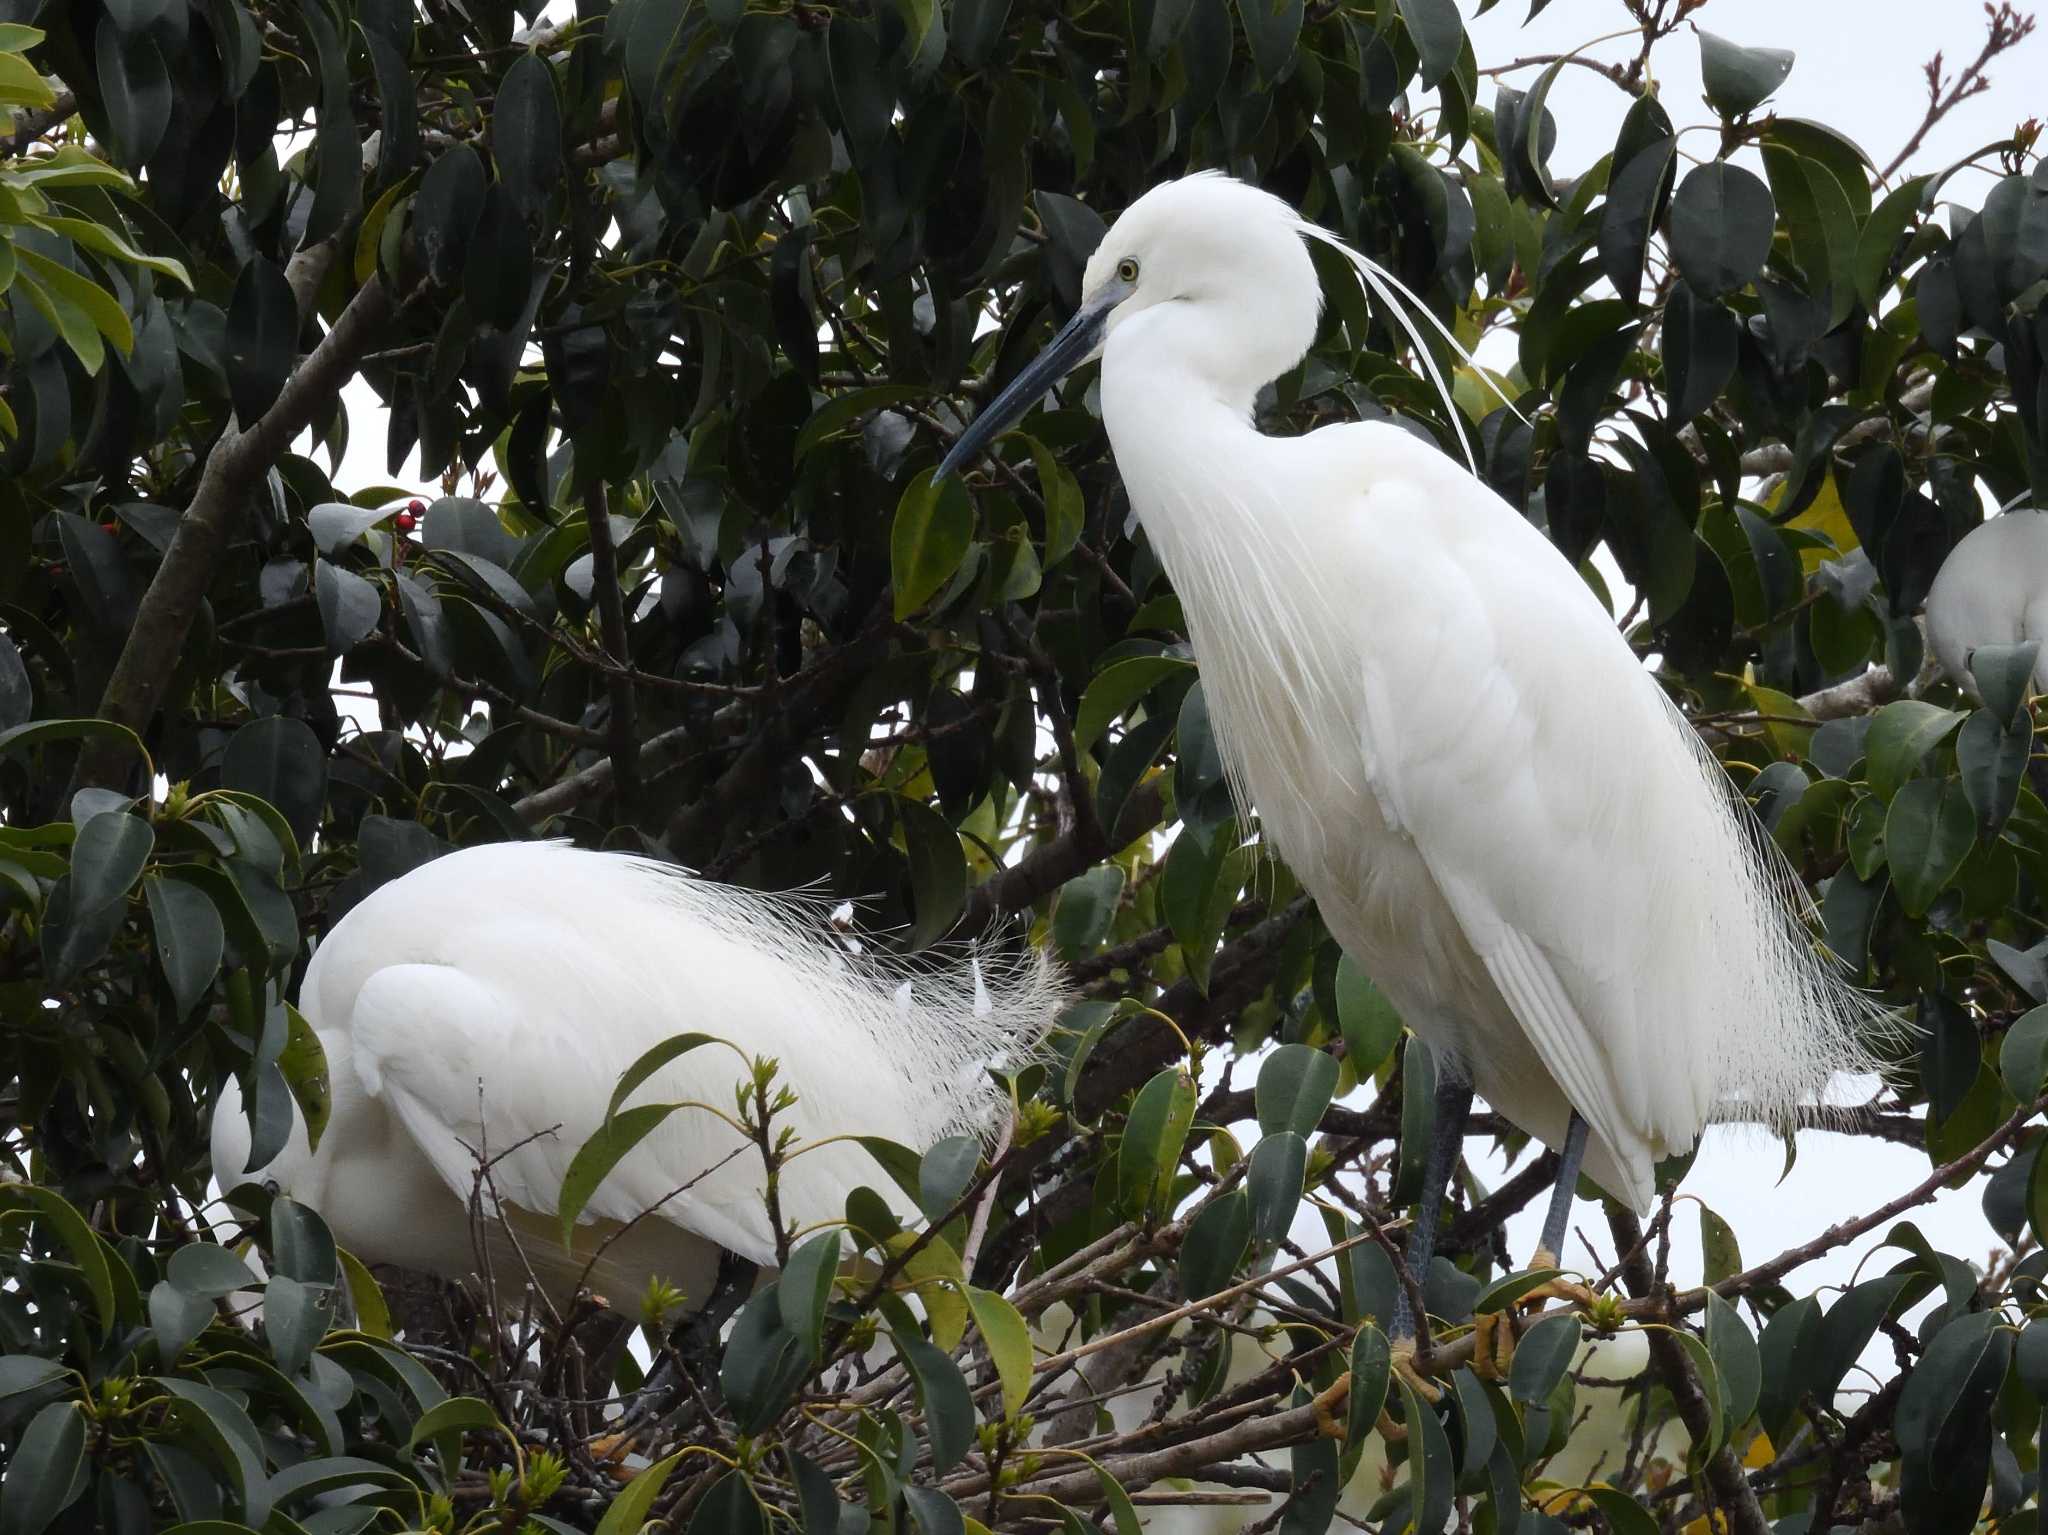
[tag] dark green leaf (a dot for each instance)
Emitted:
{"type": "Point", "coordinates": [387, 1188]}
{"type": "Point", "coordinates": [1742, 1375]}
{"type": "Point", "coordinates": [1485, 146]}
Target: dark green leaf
{"type": "Point", "coordinates": [944, 1173]}
{"type": "Point", "coordinates": [107, 858]}
{"type": "Point", "coordinates": [1902, 734]}
{"type": "Point", "coordinates": [1432, 1474]}
{"type": "Point", "coordinates": [1370, 1025]}
{"type": "Point", "coordinates": [1927, 836]}
{"type": "Point", "coordinates": [295, 1318]}
{"type": "Point", "coordinates": [497, 274]}
{"type": "Point", "coordinates": [938, 871]}
{"type": "Point", "coordinates": [1215, 1244]}
{"type": "Point", "coordinates": [1274, 1179]}
{"type": "Point", "coordinates": [1850, 1322]}
{"type": "Point", "coordinates": [1944, 1424]}
{"type": "Point", "coordinates": [1541, 1358]}
{"type": "Point", "coordinates": [262, 338]}
{"type": "Point", "coordinates": [445, 211]}
{"type": "Point", "coordinates": [202, 1269]}
{"type": "Point", "coordinates": [279, 760]}
{"type": "Point", "coordinates": [1418, 1117]}
{"type": "Point", "coordinates": [1372, 1365]}
{"type": "Point", "coordinates": [806, 1289]}
{"type": "Point", "coordinates": [1294, 1087]}
{"type": "Point", "coordinates": [350, 607]}
{"type": "Point", "coordinates": [1316, 1482]}
{"type": "Point", "coordinates": [1701, 344]}
{"type": "Point", "coordinates": [458, 1414]}
{"type": "Point", "coordinates": [176, 1319]}
{"type": "Point", "coordinates": [596, 1157]}
{"type": "Point", "coordinates": [1086, 906]}
{"type": "Point", "coordinates": [948, 1407]}
{"type": "Point", "coordinates": [2023, 1056]}
{"type": "Point", "coordinates": [337, 155]}
{"type": "Point", "coordinates": [1721, 223]}
{"type": "Point", "coordinates": [2005, 675]}
{"type": "Point", "coordinates": [22, 1373]}
{"type": "Point", "coordinates": [136, 90]}
{"type": "Point", "coordinates": [1438, 34]}
{"type": "Point", "coordinates": [43, 1473]}
{"type": "Point", "coordinates": [526, 135]}
{"type": "Point", "coordinates": [189, 939]}
{"type": "Point", "coordinates": [302, 1245]}
{"type": "Point", "coordinates": [933, 1512]}
{"type": "Point", "coordinates": [1736, 1360]}
{"type": "Point", "coordinates": [1635, 199]}
{"type": "Point", "coordinates": [1154, 1134]}
{"type": "Point", "coordinates": [928, 539]}
{"type": "Point", "coordinates": [1991, 761]}
{"type": "Point", "coordinates": [1739, 79]}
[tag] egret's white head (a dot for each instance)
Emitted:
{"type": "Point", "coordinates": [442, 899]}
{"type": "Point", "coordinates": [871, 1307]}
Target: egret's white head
{"type": "Point", "coordinates": [289, 1172]}
{"type": "Point", "coordinates": [1208, 275]}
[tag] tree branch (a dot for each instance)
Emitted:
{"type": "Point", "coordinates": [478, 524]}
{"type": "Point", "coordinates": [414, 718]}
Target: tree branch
{"type": "Point", "coordinates": [239, 460]}
{"type": "Point", "coordinates": [1724, 1472]}
{"type": "Point", "coordinates": [2007, 27]}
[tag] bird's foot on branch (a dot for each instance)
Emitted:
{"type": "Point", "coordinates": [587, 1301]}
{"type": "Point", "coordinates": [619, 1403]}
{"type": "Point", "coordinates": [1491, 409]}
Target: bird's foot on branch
{"type": "Point", "coordinates": [1568, 1290]}
{"type": "Point", "coordinates": [1493, 1344]}
{"type": "Point", "coordinates": [1404, 1367]}
{"type": "Point", "coordinates": [610, 1452]}
{"type": "Point", "coordinates": [1328, 1403]}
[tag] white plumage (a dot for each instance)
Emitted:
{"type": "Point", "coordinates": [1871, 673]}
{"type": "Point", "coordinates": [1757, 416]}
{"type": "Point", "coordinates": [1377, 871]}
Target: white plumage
{"type": "Point", "coordinates": [1992, 590]}
{"type": "Point", "coordinates": [1499, 813]}
{"type": "Point", "coordinates": [500, 991]}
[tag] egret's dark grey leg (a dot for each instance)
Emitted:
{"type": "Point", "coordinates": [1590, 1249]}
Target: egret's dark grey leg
{"type": "Point", "coordinates": [1446, 1141]}
{"type": "Point", "coordinates": [695, 1343]}
{"type": "Point", "coordinates": [1568, 1161]}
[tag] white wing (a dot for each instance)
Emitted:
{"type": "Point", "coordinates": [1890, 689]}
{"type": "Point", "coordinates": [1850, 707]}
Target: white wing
{"type": "Point", "coordinates": [1572, 824]}
{"type": "Point", "coordinates": [495, 996]}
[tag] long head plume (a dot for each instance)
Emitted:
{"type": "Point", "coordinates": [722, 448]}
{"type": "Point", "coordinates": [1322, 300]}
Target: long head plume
{"type": "Point", "coordinates": [1390, 291]}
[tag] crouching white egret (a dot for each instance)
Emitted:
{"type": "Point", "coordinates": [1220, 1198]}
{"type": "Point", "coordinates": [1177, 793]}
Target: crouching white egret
{"type": "Point", "coordinates": [1500, 814]}
{"type": "Point", "coordinates": [486, 1004]}
{"type": "Point", "coordinates": [1992, 590]}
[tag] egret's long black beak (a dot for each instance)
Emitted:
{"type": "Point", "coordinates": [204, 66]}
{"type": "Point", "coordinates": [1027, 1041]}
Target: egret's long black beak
{"type": "Point", "coordinates": [1074, 345]}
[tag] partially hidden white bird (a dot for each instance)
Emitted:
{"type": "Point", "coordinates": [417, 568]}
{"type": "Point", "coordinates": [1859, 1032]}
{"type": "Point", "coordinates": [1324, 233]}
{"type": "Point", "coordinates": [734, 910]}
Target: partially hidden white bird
{"type": "Point", "coordinates": [486, 1004]}
{"type": "Point", "coordinates": [1499, 813]}
{"type": "Point", "coordinates": [1992, 590]}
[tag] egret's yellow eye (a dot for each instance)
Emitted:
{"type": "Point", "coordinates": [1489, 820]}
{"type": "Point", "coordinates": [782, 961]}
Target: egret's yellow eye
{"type": "Point", "coordinates": [1127, 270]}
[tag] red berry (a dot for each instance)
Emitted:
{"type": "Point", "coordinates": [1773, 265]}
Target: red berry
{"type": "Point", "coordinates": [408, 519]}
{"type": "Point", "coordinates": [416, 506]}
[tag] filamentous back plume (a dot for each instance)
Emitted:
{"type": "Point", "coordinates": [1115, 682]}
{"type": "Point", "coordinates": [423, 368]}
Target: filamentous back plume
{"type": "Point", "coordinates": [484, 1006]}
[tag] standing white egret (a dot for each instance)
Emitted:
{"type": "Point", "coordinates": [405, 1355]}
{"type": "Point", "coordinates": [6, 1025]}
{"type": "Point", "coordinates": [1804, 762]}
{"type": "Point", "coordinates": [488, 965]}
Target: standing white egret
{"type": "Point", "coordinates": [1499, 813]}
{"type": "Point", "coordinates": [489, 1001]}
{"type": "Point", "coordinates": [1992, 590]}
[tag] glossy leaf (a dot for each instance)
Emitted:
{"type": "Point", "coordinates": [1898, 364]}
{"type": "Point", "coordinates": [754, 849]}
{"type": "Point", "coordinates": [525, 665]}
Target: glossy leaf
{"type": "Point", "coordinates": [1927, 836]}
{"type": "Point", "coordinates": [1739, 79]}
{"type": "Point", "coordinates": [1294, 1087]}
{"type": "Point", "coordinates": [1154, 1134]}
{"type": "Point", "coordinates": [927, 540]}
{"type": "Point", "coordinates": [1722, 219]}
{"type": "Point", "coordinates": [262, 338]}
{"type": "Point", "coordinates": [526, 135]}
